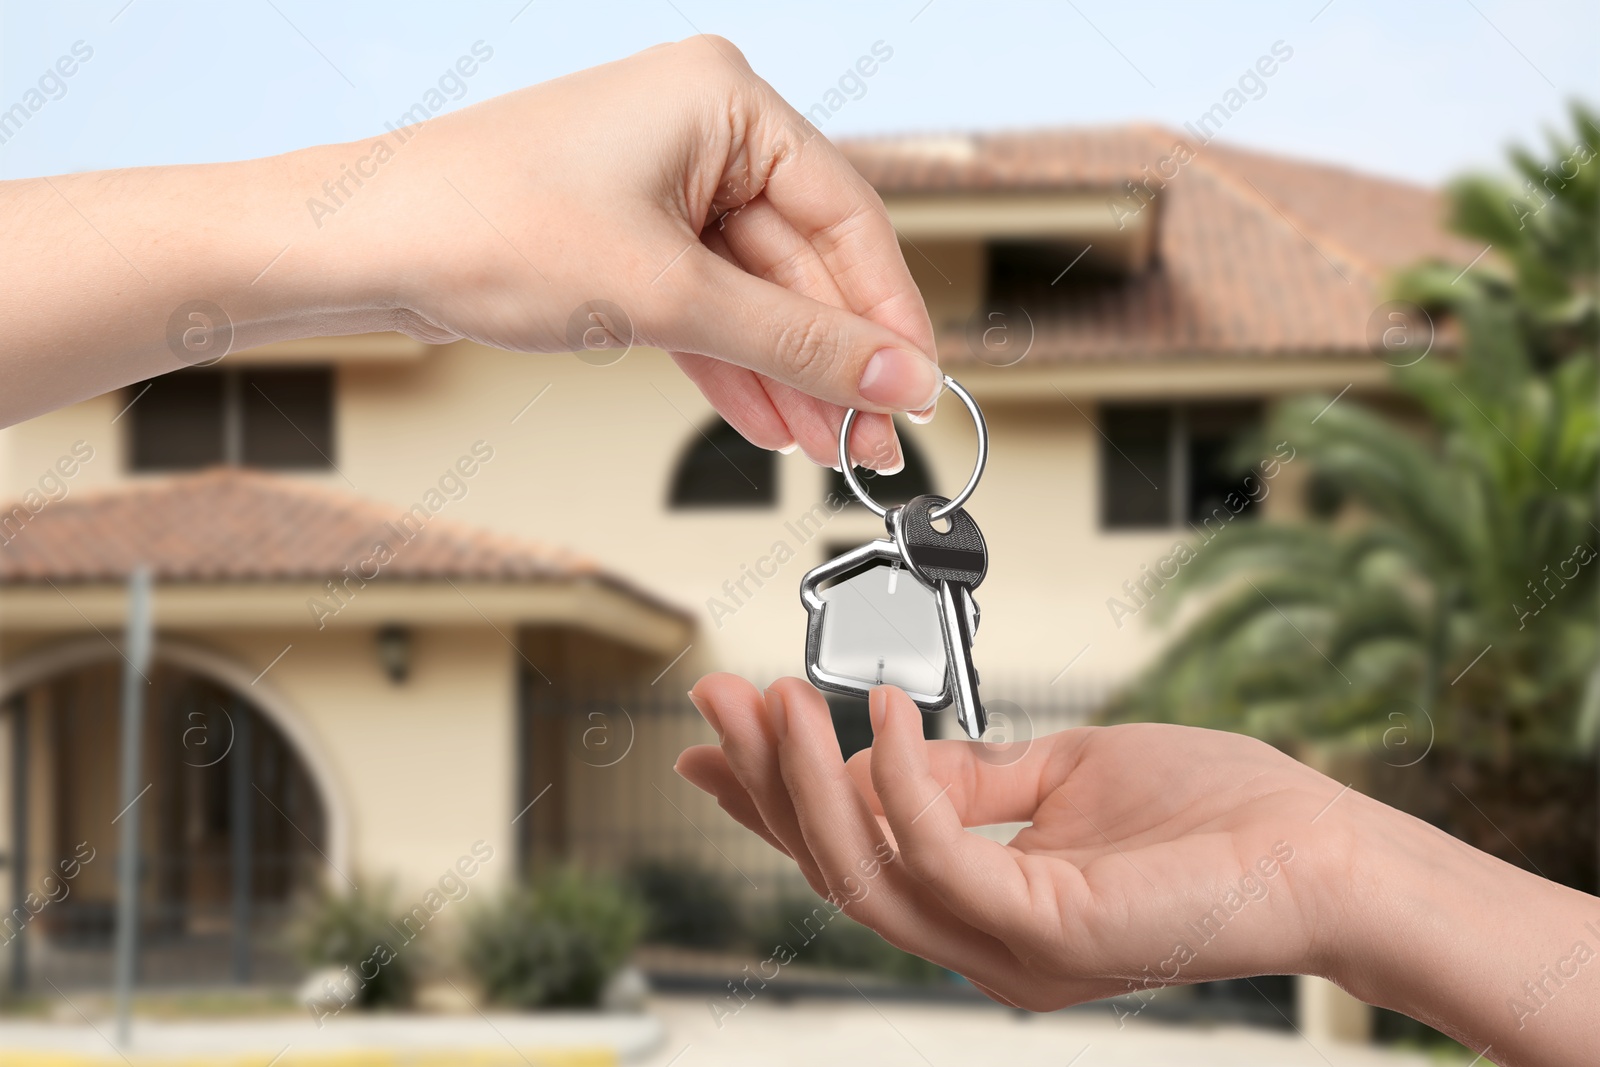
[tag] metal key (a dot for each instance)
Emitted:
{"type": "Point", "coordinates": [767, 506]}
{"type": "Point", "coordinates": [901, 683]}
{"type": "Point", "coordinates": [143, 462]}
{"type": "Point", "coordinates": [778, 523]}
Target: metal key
{"type": "Point", "coordinates": [954, 564]}
{"type": "Point", "coordinates": [871, 622]}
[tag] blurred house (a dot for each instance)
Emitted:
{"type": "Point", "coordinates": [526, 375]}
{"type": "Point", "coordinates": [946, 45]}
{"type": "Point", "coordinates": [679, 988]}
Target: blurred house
{"type": "Point", "coordinates": [410, 598]}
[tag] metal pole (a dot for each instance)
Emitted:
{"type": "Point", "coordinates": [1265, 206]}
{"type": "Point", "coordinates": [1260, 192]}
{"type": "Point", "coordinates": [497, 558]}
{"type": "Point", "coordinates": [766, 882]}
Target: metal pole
{"type": "Point", "coordinates": [242, 832]}
{"type": "Point", "coordinates": [522, 843]}
{"type": "Point", "coordinates": [1178, 462]}
{"type": "Point", "coordinates": [19, 838]}
{"type": "Point", "coordinates": [136, 651]}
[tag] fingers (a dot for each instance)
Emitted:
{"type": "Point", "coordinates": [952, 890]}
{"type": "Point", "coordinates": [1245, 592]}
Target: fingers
{"type": "Point", "coordinates": [719, 310]}
{"type": "Point", "coordinates": [860, 868]}
{"type": "Point", "coordinates": [737, 393]}
{"type": "Point", "coordinates": [706, 768]}
{"type": "Point", "coordinates": [757, 240]}
{"type": "Point", "coordinates": [875, 444]}
{"type": "Point", "coordinates": [835, 822]}
{"type": "Point", "coordinates": [815, 805]}
{"type": "Point", "coordinates": [814, 187]}
{"type": "Point", "coordinates": [738, 396]}
{"type": "Point", "coordinates": [761, 241]}
{"type": "Point", "coordinates": [737, 711]}
{"type": "Point", "coordinates": [978, 879]}
{"type": "Point", "coordinates": [815, 425]}
{"type": "Point", "coordinates": [745, 400]}
{"type": "Point", "coordinates": [985, 792]}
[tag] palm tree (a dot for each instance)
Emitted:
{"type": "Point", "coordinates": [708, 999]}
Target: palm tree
{"type": "Point", "coordinates": [1452, 571]}
{"type": "Point", "coordinates": [1542, 227]}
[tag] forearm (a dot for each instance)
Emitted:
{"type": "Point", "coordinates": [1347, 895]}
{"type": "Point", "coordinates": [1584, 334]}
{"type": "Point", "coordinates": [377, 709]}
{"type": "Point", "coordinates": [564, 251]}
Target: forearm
{"type": "Point", "coordinates": [96, 267]}
{"type": "Point", "coordinates": [1496, 957]}
{"type": "Point", "coordinates": [568, 214]}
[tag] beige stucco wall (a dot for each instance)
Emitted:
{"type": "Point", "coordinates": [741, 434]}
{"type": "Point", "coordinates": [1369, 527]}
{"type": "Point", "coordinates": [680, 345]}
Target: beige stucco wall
{"type": "Point", "coordinates": [425, 768]}
{"type": "Point", "coordinates": [588, 467]}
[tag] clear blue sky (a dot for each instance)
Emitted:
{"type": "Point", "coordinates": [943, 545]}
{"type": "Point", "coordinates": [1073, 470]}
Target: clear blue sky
{"type": "Point", "coordinates": [1416, 88]}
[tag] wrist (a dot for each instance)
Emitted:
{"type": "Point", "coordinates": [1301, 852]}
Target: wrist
{"type": "Point", "coordinates": [307, 260]}
{"type": "Point", "coordinates": [390, 236]}
{"type": "Point", "coordinates": [1402, 895]}
{"type": "Point", "coordinates": [1473, 946]}
{"type": "Point", "coordinates": [239, 236]}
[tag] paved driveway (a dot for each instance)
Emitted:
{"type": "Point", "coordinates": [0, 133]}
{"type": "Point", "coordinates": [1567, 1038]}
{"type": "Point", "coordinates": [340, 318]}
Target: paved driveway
{"type": "Point", "coordinates": [828, 1033]}
{"type": "Point", "coordinates": [680, 1030]}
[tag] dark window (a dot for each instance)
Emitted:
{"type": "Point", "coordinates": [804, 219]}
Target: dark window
{"type": "Point", "coordinates": [1217, 436]}
{"type": "Point", "coordinates": [1136, 467]}
{"type": "Point", "coordinates": [721, 469]}
{"type": "Point", "coordinates": [1035, 288]}
{"type": "Point", "coordinates": [1023, 266]}
{"type": "Point", "coordinates": [889, 489]}
{"type": "Point", "coordinates": [288, 418]}
{"type": "Point", "coordinates": [281, 419]}
{"type": "Point", "coordinates": [176, 422]}
{"type": "Point", "coordinates": [1164, 465]}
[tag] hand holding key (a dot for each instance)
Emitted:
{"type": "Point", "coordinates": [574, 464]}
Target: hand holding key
{"type": "Point", "coordinates": [671, 199]}
{"type": "Point", "coordinates": [1153, 855]}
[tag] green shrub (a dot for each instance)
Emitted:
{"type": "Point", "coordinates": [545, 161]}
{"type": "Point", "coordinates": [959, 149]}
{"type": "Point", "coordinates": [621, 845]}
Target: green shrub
{"type": "Point", "coordinates": [686, 904]}
{"type": "Point", "coordinates": [355, 930]}
{"type": "Point", "coordinates": [820, 936]}
{"type": "Point", "coordinates": [554, 943]}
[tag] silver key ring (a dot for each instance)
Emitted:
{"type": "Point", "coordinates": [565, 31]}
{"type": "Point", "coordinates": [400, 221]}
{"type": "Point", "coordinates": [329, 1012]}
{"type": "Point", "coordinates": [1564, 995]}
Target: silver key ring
{"type": "Point", "coordinates": [960, 498]}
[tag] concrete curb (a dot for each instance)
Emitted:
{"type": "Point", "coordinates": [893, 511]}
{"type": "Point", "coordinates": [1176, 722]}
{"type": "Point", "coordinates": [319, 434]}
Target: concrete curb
{"type": "Point", "coordinates": [556, 1040]}
{"type": "Point", "coordinates": [350, 1058]}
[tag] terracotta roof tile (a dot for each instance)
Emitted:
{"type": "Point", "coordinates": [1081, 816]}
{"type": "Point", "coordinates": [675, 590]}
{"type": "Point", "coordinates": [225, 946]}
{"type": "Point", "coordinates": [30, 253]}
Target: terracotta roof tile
{"type": "Point", "coordinates": [246, 526]}
{"type": "Point", "coordinates": [1257, 255]}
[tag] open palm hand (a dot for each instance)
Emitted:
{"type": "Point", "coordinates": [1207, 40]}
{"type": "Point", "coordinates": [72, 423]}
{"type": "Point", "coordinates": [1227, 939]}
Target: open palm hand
{"type": "Point", "coordinates": [1152, 855]}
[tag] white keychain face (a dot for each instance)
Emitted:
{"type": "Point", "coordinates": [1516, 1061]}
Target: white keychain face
{"type": "Point", "coordinates": [882, 628]}
{"type": "Point", "coordinates": [871, 622]}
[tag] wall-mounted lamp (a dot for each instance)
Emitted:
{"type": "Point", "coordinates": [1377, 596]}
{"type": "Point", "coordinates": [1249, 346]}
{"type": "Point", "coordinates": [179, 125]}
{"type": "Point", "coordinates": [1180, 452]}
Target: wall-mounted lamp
{"type": "Point", "coordinates": [394, 652]}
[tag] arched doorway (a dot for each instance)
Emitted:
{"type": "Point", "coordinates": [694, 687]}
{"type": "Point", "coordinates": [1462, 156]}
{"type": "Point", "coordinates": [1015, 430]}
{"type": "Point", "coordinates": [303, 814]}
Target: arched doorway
{"type": "Point", "coordinates": [234, 830]}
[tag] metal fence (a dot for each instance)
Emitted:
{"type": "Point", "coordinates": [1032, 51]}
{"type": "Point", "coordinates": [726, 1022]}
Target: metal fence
{"type": "Point", "coordinates": [223, 873]}
{"type": "Point", "coordinates": [223, 860]}
{"type": "Point", "coordinates": [598, 787]}
{"type": "Point", "coordinates": [598, 776]}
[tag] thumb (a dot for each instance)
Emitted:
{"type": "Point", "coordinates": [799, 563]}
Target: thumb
{"type": "Point", "coordinates": [721, 311]}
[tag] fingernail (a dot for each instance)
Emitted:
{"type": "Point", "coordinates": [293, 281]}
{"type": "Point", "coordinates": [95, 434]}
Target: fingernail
{"type": "Point", "coordinates": [706, 710]}
{"type": "Point", "coordinates": [778, 713]}
{"type": "Point", "coordinates": [789, 448]}
{"type": "Point", "coordinates": [925, 416]}
{"type": "Point", "coordinates": [902, 380]}
{"type": "Point", "coordinates": [877, 708]}
{"type": "Point", "coordinates": [899, 465]}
